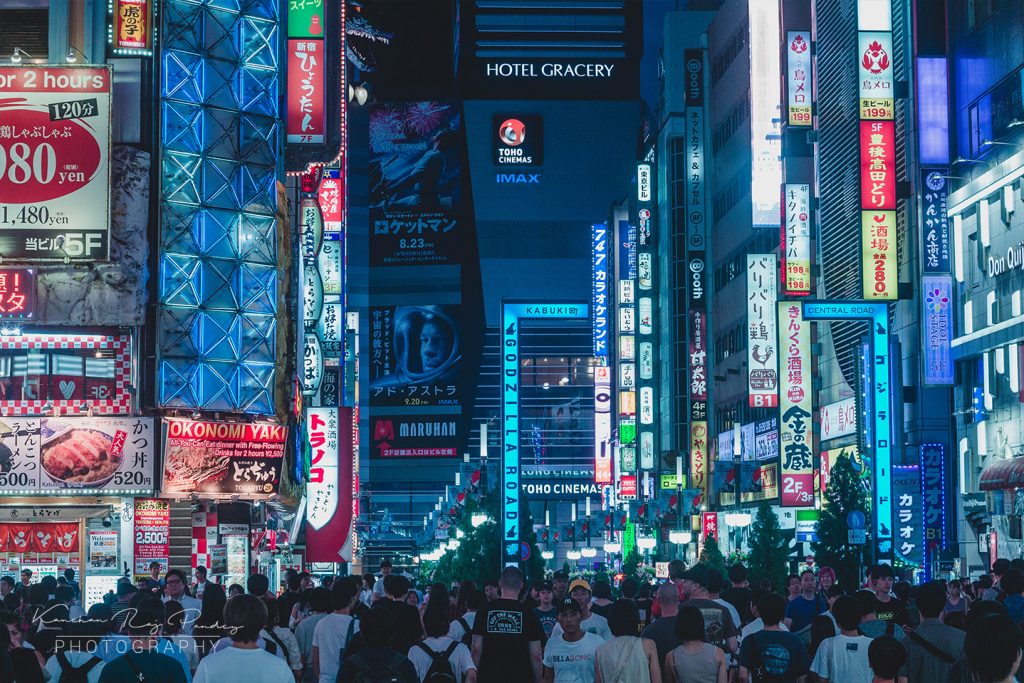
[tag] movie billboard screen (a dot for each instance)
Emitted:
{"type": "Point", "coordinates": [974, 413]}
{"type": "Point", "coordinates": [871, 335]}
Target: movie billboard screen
{"type": "Point", "coordinates": [415, 356]}
{"type": "Point", "coordinates": [415, 174]}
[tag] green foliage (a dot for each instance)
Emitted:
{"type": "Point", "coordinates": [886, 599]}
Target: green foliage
{"type": "Point", "coordinates": [711, 554]}
{"type": "Point", "coordinates": [844, 494]}
{"type": "Point", "coordinates": [768, 549]}
{"type": "Point", "coordinates": [478, 556]}
{"type": "Point", "coordinates": [631, 563]}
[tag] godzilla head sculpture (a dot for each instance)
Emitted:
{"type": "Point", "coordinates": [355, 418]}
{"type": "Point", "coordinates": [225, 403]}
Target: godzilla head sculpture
{"type": "Point", "coordinates": [362, 37]}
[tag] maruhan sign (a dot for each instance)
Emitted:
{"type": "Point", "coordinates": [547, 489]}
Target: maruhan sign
{"type": "Point", "coordinates": [548, 70]}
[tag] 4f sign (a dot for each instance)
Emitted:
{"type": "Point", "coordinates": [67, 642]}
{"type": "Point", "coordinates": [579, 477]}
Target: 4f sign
{"type": "Point", "coordinates": [643, 182]}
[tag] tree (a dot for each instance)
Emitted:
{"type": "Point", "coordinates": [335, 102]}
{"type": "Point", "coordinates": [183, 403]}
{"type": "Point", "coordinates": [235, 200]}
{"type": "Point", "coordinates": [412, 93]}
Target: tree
{"type": "Point", "coordinates": [711, 554]}
{"type": "Point", "coordinates": [631, 563]}
{"type": "Point", "coordinates": [844, 494]}
{"type": "Point", "coordinates": [768, 551]}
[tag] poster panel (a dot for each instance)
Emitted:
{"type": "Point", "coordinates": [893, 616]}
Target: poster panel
{"type": "Point", "coordinates": [152, 534]}
{"type": "Point", "coordinates": [223, 457]}
{"type": "Point", "coordinates": [415, 355]}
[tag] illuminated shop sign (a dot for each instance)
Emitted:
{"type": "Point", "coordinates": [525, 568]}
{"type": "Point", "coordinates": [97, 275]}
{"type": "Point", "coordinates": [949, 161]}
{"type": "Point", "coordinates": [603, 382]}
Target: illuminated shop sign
{"type": "Point", "coordinates": [933, 496]}
{"type": "Point", "coordinates": [645, 268]}
{"type": "Point", "coordinates": [695, 171]}
{"type": "Point", "coordinates": [643, 182]}
{"type": "Point", "coordinates": [877, 165]}
{"type": "Point", "coordinates": [937, 298]}
{"type": "Point", "coordinates": [627, 347]}
{"type": "Point", "coordinates": [875, 74]}
{"type": "Point", "coordinates": [795, 408]}
{"type": "Point", "coordinates": [798, 77]}
{"type": "Point", "coordinates": [699, 457]}
{"type": "Point", "coordinates": [838, 419]}
{"type": "Point", "coordinates": [55, 163]}
{"type": "Point", "coordinates": [332, 200]}
{"type": "Point", "coordinates": [131, 28]}
{"type": "Point", "coordinates": [762, 360]}
{"type": "Point", "coordinates": [906, 492]}
{"type": "Point", "coordinates": [646, 360]}
{"type": "Point", "coordinates": [645, 313]}
{"type": "Point", "coordinates": [307, 92]}
{"type": "Point", "coordinates": [599, 289]}
{"type": "Point", "coordinates": [559, 70]}
{"type": "Point", "coordinates": [935, 232]}
{"type": "Point", "coordinates": [602, 425]}
{"type": "Point", "coordinates": [512, 314]}
{"type": "Point", "coordinates": [518, 140]}
{"type": "Point", "coordinates": [881, 431]}
{"type": "Point", "coordinates": [878, 254]}
{"type": "Point", "coordinates": [322, 485]}
{"type": "Point", "coordinates": [765, 113]}
{"type": "Point", "coordinates": [796, 240]}
{"type": "Point", "coordinates": [698, 361]}
{"type": "Point", "coordinates": [17, 293]}
{"type": "Point", "coordinates": [627, 375]}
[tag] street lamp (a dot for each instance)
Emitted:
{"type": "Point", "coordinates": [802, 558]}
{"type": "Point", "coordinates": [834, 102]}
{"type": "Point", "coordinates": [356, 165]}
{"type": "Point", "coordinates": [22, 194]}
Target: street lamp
{"type": "Point", "coordinates": [612, 547]}
{"type": "Point", "coordinates": [738, 519]}
{"type": "Point", "coordinates": [478, 520]}
{"type": "Point", "coordinates": [574, 555]}
{"type": "Point", "coordinates": [680, 537]}
{"type": "Point", "coordinates": [646, 542]}
{"type": "Point", "coordinates": [589, 552]}
{"type": "Point", "coordinates": [547, 554]}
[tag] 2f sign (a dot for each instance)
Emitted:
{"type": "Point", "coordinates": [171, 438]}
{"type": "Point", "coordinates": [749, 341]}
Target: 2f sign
{"type": "Point", "coordinates": [796, 491]}
{"type": "Point", "coordinates": [643, 182]}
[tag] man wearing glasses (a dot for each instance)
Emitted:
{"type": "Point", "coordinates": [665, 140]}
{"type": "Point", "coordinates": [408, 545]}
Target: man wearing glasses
{"type": "Point", "coordinates": [174, 589]}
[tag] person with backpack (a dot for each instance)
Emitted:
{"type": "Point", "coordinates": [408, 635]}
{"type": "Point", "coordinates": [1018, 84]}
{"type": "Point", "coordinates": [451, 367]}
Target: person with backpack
{"type": "Point", "coordinates": [870, 625]}
{"type": "Point", "coordinates": [320, 603]}
{"type": "Point", "coordinates": [73, 661]}
{"type": "Point", "coordinates": [377, 662]}
{"type": "Point", "coordinates": [282, 637]}
{"type": "Point", "coordinates": [506, 636]}
{"type": "Point", "coordinates": [933, 647]}
{"type": "Point", "coordinates": [142, 661]}
{"type": "Point", "coordinates": [461, 629]}
{"type": "Point", "coordinates": [887, 607]}
{"type": "Point", "coordinates": [245, 661]}
{"type": "Point", "coordinates": [772, 654]}
{"type": "Point", "coordinates": [334, 632]}
{"type": "Point", "coordinates": [438, 658]}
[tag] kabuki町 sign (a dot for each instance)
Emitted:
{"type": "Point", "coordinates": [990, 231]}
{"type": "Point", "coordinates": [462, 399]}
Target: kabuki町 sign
{"type": "Point", "coordinates": [54, 162]}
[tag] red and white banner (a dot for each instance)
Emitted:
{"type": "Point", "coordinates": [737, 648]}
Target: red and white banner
{"type": "Point", "coordinates": [878, 255]}
{"type": "Point", "coordinates": [796, 240]}
{"type": "Point", "coordinates": [875, 73]}
{"type": "Point", "coordinates": [332, 540]}
{"type": "Point", "coordinates": [709, 524]}
{"type": "Point", "coordinates": [877, 165]}
{"type": "Point", "coordinates": [54, 162]}
{"type": "Point", "coordinates": [306, 109]}
{"type": "Point", "coordinates": [332, 201]}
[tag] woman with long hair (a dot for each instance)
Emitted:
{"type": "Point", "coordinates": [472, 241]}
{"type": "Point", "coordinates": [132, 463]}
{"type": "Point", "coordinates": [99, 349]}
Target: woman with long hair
{"type": "Point", "coordinates": [956, 601]}
{"type": "Point", "coordinates": [466, 588]}
{"type": "Point", "coordinates": [627, 658]}
{"type": "Point", "coordinates": [26, 664]}
{"type": "Point", "coordinates": [822, 627]}
{"type": "Point", "coordinates": [695, 661]}
{"type": "Point", "coordinates": [209, 627]}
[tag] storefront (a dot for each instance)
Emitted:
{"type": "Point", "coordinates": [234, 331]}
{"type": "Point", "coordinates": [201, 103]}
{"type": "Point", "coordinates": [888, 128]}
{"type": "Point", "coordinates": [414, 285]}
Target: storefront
{"type": "Point", "coordinates": [988, 350]}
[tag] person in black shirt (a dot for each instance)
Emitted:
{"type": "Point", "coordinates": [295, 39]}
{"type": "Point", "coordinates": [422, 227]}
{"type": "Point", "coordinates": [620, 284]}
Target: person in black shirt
{"type": "Point", "coordinates": [887, 607]}
{"type": "Point", "coordinates": [408, 627]}
{"type": "Point", "coordinates": [377, 629]}
{"type": "Point", "coordinates": [738, 594]}
{"type": "Point", "coordinates": [289, 597]}
{"type": "Point", "coordinates": [602, 598]}
{"type": "Point", "coordinates": [506, 637]}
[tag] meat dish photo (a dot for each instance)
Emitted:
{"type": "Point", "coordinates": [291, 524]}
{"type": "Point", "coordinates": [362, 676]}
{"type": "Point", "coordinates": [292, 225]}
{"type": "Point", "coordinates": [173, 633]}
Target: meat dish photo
{"type": "Point", "coordinates": [80, 456]}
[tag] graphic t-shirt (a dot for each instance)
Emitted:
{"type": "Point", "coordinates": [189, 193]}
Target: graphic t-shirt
{"type": "Point", "coordinates": [595, 624]}
{"type": "Point", "coordinates": [507, 630]}
{"type": "Point", "coordinates": [718, 626]}
{"type": "Point", "coordinates": [548, 619]}
{"type": "Point", "coordinates": [572, 662]}
{"type": "Point", "coordinates": [894, 610]}
{"type": "Point", "coordinates": [782, 655]}
{"type": "Point", "coordinates": [843, 659]}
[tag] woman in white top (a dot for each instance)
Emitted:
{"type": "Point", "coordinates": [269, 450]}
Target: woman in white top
{"type": "Point", "coordinates": [282, 637]}
{"type": "Point", "coordinates": [174, 620]}
{"type": "Point", "coordinates": [695, 661]}
{"type": "Point", "coordinates": [435, 622]}
{"type": "Point", "coordinates": [626, 658]}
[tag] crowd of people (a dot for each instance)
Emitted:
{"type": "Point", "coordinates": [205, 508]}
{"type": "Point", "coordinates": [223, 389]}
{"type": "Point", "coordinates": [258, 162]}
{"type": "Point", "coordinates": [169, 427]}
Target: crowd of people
{"type": "Point", "coordinates": [700, 626]}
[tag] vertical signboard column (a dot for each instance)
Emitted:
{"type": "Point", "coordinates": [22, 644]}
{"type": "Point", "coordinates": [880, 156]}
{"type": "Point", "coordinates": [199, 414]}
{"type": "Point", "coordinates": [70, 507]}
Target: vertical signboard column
{"type": "Point", "coordinates": [646, 312]}
{"type": "Point", "coordinates": [795, 407]}
{"type": "Point", "coordinates": [628, 331]}
{"type": "Point", "coordinates": [600, 305]}
{"type": "Point", "coordinates": [762, 354]}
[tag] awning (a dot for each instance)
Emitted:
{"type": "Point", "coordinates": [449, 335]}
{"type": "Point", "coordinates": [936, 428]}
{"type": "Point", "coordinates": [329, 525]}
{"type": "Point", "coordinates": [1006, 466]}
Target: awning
{"type": "Point", "coordinates": [1003, 474]}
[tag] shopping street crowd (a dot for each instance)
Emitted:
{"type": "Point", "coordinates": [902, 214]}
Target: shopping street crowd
{"type": "Point", "coordinates": [700, 626]}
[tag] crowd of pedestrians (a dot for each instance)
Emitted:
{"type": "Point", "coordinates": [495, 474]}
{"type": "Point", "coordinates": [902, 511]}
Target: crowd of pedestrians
{"type": "Point", "coordinates": [701, 626]}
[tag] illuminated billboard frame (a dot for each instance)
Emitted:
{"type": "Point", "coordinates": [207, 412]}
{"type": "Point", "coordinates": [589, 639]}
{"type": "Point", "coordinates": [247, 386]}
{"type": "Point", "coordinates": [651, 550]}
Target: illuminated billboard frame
{"type": "Point", "coordinates": [880, 440]}
{"type": "Point", "coordinates": [795, 407]}
{"type": "Point", "coordinates": [511, 314]}
{"type": "Point", "coordinates": [765, 113]}
{"type": "Point", "coordinates": [796, 240]}
{"type": "Point", "coordinates": [762, 354]}
{"type": "Point", "coordinates": [798, 78]}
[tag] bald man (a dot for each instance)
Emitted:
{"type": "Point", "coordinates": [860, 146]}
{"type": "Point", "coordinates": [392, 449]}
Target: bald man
{"type": "Point", "coordinates": [663, 629]}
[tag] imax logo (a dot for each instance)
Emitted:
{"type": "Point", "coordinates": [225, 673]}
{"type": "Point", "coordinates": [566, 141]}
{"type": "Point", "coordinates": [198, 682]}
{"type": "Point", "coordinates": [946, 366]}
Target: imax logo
{"type": "Point", "coordinates": [518, 178]}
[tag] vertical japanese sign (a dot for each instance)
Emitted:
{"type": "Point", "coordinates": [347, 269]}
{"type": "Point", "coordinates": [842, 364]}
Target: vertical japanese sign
{"type": "Point", "coordinates": [331, 196]}
{"type": "Point", "coordinates": [602, 424]}
{"type": "Point", "coordinates": [322, 485]}
{"type": "Point", "coordinates": [323, 317]}
{"type": "Point", "coordinates": [152, 534]}
{"type": "Point", "coordinates": [765, 113]}
{"type": "Point", "coordinates": [933, 499]}
{"type": "Point", "coordinates": [599, 289]}
{"type": "Point", "coordinates": [798, 78]}
{"type": "Point", "coordinates": [699, 457]}
{"type": "Point", "coordinates": [709, 525]}
{"type": "Point", "coordinates": [694, 171]}
{"type": "Point", "coordinates": [906, 490]}
{"type": "Point", "coordinates": [331, 491]}
{"type": "Point", "coordinates": [17, 293]}
{"type": "Point", "coordinates": [306, 108]}
{"type": "Point", "coordinates": [762, 360]}
{"type": "Point", "coordinates": [938, 329]}
{"type": "Point", "coordinates": [131, 29]}
{"type": "Point", "coordinates": [795, 407]}
{"type": "Point", "coordinates": [879, 256]}
{"type": "Point", "coordinates": [796, 240]}
{"type": "Point", "coordinates": [935, 232]}
{"type": "Point", "coordinates": [698, 365]}
{"type": "Point", "coordinates": [55, 175]}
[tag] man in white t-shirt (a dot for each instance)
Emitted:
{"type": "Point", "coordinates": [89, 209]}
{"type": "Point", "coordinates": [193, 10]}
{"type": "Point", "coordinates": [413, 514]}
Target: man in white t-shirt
{"type": "Point", "coordinates": [569, 656]}
{"type": "Point", "coordinates": [378, 588]}
{"type": "Point", "coordinates": [245, 660]}
{"type": "Point", "coordinates": [334, 632]}
{"type": "Point", "coordinates": [844, 658]}
{"type": "Point", "coordinates": [579, 591]}
{"type": "Point", "coordinates": [437, 643]}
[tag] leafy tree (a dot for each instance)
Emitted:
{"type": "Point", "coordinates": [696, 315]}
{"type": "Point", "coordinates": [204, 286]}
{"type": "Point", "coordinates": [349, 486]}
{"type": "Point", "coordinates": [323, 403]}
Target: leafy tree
{"type": "Point", "coordinates": [768, 549]}
{"type": "Point", "coordinates": [631, 563]}
{"type": "Point", "coordinates": [711, 554]}
{"type": "Point", "coordinates": [844, 494]}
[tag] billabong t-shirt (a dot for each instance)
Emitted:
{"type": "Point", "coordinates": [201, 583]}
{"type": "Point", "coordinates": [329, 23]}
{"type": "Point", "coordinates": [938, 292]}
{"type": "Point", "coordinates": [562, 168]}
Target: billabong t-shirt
{"type": "Point", "coordinates": [507, 630]}
{"type": "Point", "coordinates": [572, 662]}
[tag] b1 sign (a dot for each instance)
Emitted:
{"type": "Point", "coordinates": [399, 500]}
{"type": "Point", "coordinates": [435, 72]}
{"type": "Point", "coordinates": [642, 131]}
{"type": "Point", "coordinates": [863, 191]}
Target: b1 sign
{"type": "Point", "coordinates": [54, 162]}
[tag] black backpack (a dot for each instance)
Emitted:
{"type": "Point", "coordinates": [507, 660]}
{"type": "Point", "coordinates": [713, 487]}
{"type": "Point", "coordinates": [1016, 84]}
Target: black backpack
{"type": "Point", "coordinates": [467, 635]}
{"type": "Point", "coordinates": [378, 673]}
{"type": "Point", "coordinates": [69, 674]}
{"type": "Point", "coordinates": [440, 670]}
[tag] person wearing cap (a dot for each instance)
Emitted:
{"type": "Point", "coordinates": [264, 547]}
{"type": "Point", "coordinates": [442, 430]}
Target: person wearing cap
{"type": "Point", "coordinates": [569, 657]}
{"type": "Point", "coordinates": [718, 624]}
{"type": "Point", "coordinates": [580, 592]}
{"type": "Point", "coordinates": [546, 611]}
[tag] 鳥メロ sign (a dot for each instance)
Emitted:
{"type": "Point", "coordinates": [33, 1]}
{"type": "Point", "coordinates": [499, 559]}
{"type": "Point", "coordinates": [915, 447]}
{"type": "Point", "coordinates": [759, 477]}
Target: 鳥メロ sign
{"type": "Point", "coordinates": [54, 162]}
